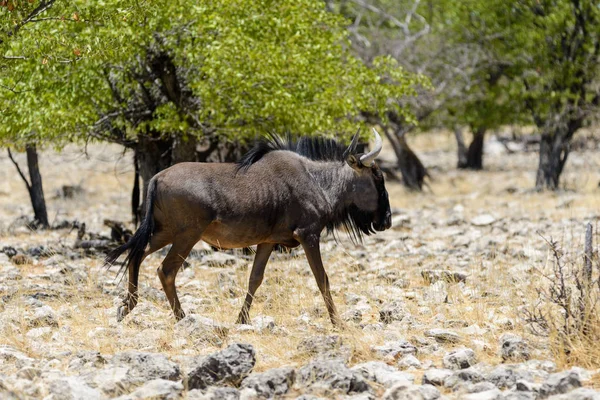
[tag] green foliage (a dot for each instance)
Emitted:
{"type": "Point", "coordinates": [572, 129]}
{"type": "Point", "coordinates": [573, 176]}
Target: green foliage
{"type": "Point", "coordinates": [250, 66]}
{"type": "Point", "coordinates": [492, 62]}
{"type": "Point", "coordinates": [48, 65]}
{"type": "Point", "coordinates": [419, 35]}
{"type": "Point", "coordinates": [542, 57]}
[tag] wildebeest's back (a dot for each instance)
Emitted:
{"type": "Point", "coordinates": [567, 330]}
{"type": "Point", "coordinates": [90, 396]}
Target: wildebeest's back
{"type": "Point", "coordinates": [265, 202]}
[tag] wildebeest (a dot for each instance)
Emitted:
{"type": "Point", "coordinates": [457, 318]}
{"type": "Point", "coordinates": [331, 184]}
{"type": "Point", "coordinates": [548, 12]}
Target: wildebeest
{"type": "Point", "coordinates": [282, 192]}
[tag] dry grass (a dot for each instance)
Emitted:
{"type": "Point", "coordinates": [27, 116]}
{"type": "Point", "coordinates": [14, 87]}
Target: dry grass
{"type": "Point", "coordinates": [500, 279]}
{"type": "Point", "coordinates": [567, 307]}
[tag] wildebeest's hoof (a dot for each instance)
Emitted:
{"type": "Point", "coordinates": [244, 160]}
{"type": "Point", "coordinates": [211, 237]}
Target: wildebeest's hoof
{"type": "Point", "coordinates": [338, 323]}
{"type": "Point", "coordinates": [179, 315]}
{"type": "Point", "coordinates": [122, 311]}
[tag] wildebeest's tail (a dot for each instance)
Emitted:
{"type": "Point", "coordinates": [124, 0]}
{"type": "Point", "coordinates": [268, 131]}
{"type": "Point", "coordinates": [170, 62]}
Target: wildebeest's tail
{"type": "Point", "coordinates": [140, 239]}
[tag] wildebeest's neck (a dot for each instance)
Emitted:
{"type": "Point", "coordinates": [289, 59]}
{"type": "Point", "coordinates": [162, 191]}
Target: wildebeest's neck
{"type": "Point", "coordinates": [336, 180]}
{"type": "Point", "coordinates": [341, 186]}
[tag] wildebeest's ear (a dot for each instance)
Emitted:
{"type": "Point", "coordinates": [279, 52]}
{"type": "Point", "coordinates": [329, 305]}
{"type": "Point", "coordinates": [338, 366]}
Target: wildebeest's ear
{"type": "Point", "coordinates": [353, 161]}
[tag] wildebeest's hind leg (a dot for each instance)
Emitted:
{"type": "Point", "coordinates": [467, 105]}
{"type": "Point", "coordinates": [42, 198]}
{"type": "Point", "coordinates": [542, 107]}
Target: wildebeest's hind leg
{"type": "Point", "coordinates": [157, 242]}
{"type": "Point", "coordinates": [263, 251]}
{"type": "Point", "coordinates": [182, 245]}
{"type": "Point", "coordinates": [313, 254]}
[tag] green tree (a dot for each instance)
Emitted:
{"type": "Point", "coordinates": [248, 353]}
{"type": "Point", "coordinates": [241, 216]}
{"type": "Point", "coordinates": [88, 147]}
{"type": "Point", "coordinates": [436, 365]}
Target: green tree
{"type": "Point", "coordinates": [420, 35]}
{"type": "Point", "coordinates": [491, 63]}
{"type": "Point", "coordinates": [41, 42]}
{"type": "Point", "coordinates": [546, 54]}
{"type": "Point", "coordinates": [15, 16]}
{"type": "Point", "coordinates": [160, 78]}
{"type": "Point", "coordinates": [165, 79]}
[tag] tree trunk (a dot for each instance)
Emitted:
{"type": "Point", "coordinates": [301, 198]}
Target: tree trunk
{"type": "Point", "coordinates": [462, 149]}
{"type": "Point", "coordinates": [153, 155]}
{"type": "Point", "coordinates": [211, 149]}
{"type": "Point", "coordinates": [554, 150]}
{"type": "Point", "coordinates": [412, 170]}
{"type": "Point", "coordinates": [184, 149]}
{"type": "Point", "coordinates": [34, 186]}
{"type": "Point", "coordinates": [36, 190]}
{"type": "Point", "coordinates": [473, 157]}
{"type": "Point", "coordinates": [475, 153]}
{"type": "Point", "coordinates": [135, 193]}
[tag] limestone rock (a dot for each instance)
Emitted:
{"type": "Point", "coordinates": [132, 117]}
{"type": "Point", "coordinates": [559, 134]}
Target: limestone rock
{"type": "Point", "coordinates": [214, 393]}
{"type": "Point", "coordinates": [436, 376]}
{"type": "Point", "coordinates": [229, 366]}
{"type": "Point", "coordinates": [483, 220]}
{"type": "Point", "coordinates": [459, 359]}
{"type": "Point", "coordinates": [72, 388]}
{"type": "Point", "coordinates": [147, 366]}
{"type": "Point", "coordinates": [409, 361]}
{"type": "Point", "coordinates": [394, 349]}
{"type": "Point", "coordinates": [271, 383]}
{"type": "Point", "coordinates": [560, 382]}
{"type": "Point", "coordinates": [392, 311]}
{"type": "Point", "coordinates": [156, 389]}
{"type": "Point", "coordinates": [443, 335]}
{"type": "Point", "coordinates": [331, 375]}
{"type": "Point", "coordinates": [202, 328]}
{"type": "Point", "coordinates": [514, 348]}
{"type": "Point", "coordinates": [380, 372]}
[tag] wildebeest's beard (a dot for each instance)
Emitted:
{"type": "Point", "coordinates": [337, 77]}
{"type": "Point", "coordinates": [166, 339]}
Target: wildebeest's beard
{"type": "Point", "coordinates": [354, 221]}
{"type": "Point", "coordinates": [359, 222]}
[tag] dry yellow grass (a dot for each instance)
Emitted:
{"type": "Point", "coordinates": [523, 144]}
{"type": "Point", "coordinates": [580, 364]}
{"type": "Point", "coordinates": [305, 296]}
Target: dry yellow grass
{"type": "Point", "coordinates": [86, 311]}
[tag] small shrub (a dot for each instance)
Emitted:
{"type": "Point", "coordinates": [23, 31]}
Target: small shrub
{"type": "Point", "coordinates": [567, 309]}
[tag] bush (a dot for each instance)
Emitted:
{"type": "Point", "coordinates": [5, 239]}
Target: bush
{"type": "Point", "coordinates": [567, 309]}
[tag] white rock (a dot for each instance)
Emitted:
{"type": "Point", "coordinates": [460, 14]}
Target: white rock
{"type": "Point", "coordinates": [158, 389]}
{"type": "Point", "coordinates": [11, 356]}
{"type": "Point", "coordinates": [382, 373]}
{"type": "Point", "coordinates": [483, 220]}
{"type": "Point", "coordinates": [43, 316]}
{"type": "Point", "coordinates": [37, 333]}
{"type": "Point", "coordinates": [409, 361]}
{"type": "Point", "coordinates": [494, 394]}
{"type": "Point", "coordinates": [443, 335]}
{"type": "Point", "coordinates": [264, 323]}
{"type": "Point", "coordinates": [73, 388]}
{"type": "Point", "coordinates": [459, 359]}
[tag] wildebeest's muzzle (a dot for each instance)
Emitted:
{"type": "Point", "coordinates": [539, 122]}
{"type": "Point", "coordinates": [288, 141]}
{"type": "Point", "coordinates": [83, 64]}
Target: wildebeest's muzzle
{"type": "Point", "coordinates": [383, 216]}
{"type": "Point", "coordinates": [385, 224]}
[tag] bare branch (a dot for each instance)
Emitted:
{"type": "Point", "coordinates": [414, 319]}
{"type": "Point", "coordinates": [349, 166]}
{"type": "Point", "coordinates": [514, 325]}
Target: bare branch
{"type": "Point", "coordinates": [44, 5]}
{"type": "Point", "coordinates": [19, 170]}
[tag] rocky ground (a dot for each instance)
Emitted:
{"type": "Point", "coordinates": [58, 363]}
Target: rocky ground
{"type": "Point", "coordinates": [434, 307]}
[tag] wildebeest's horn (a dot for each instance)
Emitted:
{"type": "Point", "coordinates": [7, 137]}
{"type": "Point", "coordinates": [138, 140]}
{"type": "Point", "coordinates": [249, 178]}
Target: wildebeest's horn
{"type": "Point", "coordinates": [368, 159]}
{"type": "Point", "coordinates": [352, 148]}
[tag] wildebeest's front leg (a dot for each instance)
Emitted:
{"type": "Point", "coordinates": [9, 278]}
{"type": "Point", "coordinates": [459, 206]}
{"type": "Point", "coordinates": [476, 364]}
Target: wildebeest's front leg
{"type": "Point", "coordinates": [263, 251]}
{"type": "Point", "coordinates": [313, 254]}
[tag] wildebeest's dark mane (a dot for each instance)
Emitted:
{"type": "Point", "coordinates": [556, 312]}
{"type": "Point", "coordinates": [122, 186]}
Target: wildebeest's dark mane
{"type": "Point", "coordinates": [313, 148]}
